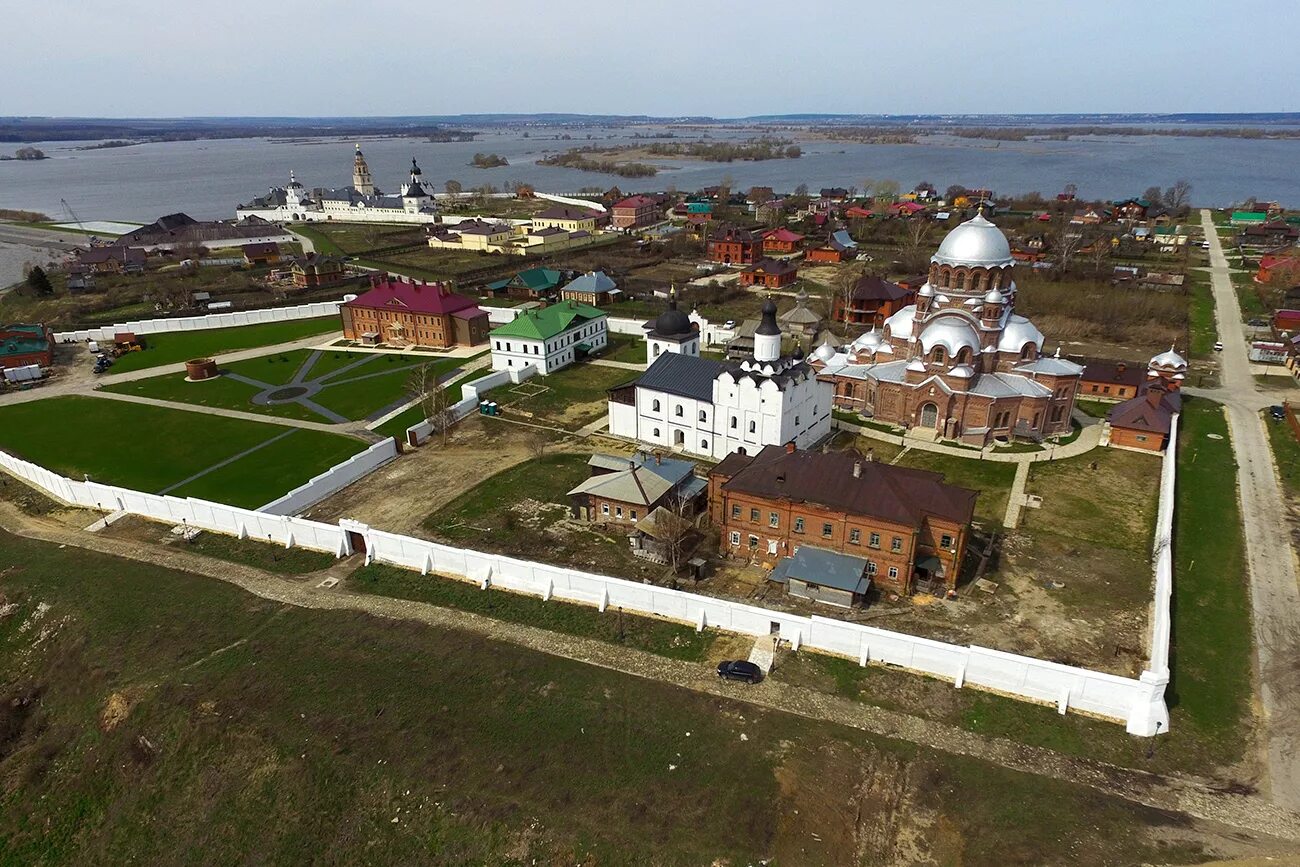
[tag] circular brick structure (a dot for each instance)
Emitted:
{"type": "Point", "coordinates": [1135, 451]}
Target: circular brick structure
{"type": "Point", "coordinates": [200, 369]}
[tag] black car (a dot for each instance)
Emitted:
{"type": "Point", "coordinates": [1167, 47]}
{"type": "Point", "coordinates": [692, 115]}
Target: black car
{"type": "Point", "coordinates": [1277, 413]}
{"type": "Point", "coordinates": [740, 669]}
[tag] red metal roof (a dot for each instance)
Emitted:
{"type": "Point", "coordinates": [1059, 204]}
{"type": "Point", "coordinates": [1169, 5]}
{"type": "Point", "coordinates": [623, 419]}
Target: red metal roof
{"type": "Point", "coordinates": [636, 202]}
{"type": "Point", "coordinates": [782, 234]}
{"type": "Point", "coordinates": [417, 297]}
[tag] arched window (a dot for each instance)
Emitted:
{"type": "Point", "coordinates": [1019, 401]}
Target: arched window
{"type": "Point", "coordinates": [656, 433]}
{"type": "Point", "coordinates": [940, 355]}
{"type": "Point", "coordinates": [704, 416]}
{"type": "Point", "coordinates": [963, 356]}
{"type": "Point", "coordinates": [654, 349]}
{"type": "Point", "coordinates": [654, 407]}
{"type": "Point", "coordinates": [678, 411]}
{"type": "Point", "coordinates": [704, 445]}
{"type": "Point", "coordinates": [753, 427]}
{"type": "Point", "coordinates": [1027, 351]}
{"type": "Point", "coordinates": [733, 422]}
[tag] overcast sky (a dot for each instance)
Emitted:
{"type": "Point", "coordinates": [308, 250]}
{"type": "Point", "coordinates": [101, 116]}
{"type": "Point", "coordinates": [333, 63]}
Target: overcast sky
{"type": "Point", "coordinates": [662, 57]}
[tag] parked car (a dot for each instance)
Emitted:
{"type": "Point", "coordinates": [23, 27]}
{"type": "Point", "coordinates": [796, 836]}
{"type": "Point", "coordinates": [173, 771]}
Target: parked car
{"type": "Point", "coordinates": [1218, 346]}
{"type": "Point", "coordinates": [1258, 323]}
{"type": "Point", "coordinates": [740, 669]}
{"type": "Point", "coordinates": [1277, 413]}
{"type": "Point", "coordinates": [730, 323]}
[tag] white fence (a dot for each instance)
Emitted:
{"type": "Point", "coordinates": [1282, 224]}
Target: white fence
{"type": "Point", "coordinates": [471, 395]}
{"type": "Point", "coordinates": [586, 204]}
{"type": "Point", "coordinates": [1138, 702]}
{"type": "Point", "coordinates": [201, 323]}
{"type": "Point", "coordinates": [334, 479]}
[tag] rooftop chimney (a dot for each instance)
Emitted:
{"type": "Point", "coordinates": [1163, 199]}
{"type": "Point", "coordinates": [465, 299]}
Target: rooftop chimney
{"type": "Point", "coordinates": [857, 469]}
{"type": "Point", "coordinates": [789, 447]}
{"type": "Point", "coordinates": [1120, 368]}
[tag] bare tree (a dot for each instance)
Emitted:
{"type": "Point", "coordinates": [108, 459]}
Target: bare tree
{"type": "Point", "coordinates": [868, 187]}
{"type": "Point", "coordinates": [846, 280]}
{"type": "Point", "coordinates": [1176, 196]}
{"type": "Point", "coordinates": [916, 242]}
{"type": "Point", "coordinates": [1066, 244]}
{"type": "Point", "coordinates": [673, 528]}
{"type": "Point", "coordinates": [453, 189]}
{"type": "Point", "coordinates": [760, 195]}
{"type": "Point", "coordinates": [887, 189]}
{"type": "Point", "coordinates": [1071, 190]}
{"type": "Point", "coordinates": [1154, 196]}
{"type": "Point", "coordinates": [434, 400]}
{"type": "Point", "coordinates": [1099, 252]}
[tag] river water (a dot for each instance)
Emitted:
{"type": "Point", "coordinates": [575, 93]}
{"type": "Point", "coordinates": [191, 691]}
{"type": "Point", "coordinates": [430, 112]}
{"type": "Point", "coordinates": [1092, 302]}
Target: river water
{"type": "Point", "coordinates": [207, 179]}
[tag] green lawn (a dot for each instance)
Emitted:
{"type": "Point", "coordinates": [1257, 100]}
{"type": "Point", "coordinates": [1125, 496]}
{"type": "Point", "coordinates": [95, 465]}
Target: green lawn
{"type": "Point", "coordinates": [1286, 454]}
{"type": "Point", "coordinates": [168, 718]}
{"type": "Point", "coordinates": [179, 346]}
{"type": "Point", "coordinates": [991, 478]}
{"type": "Point", "coordinates": [397, 425]}
{"type": "Point", "coordinates": [1201, 329]}
{"type": "Point", "coordinates": [1106, 497]}
{"type": "Point", "coordinates": [1094, 408]}
{"type": "Point", "coordinates": [379, 381]}
{"type": "Point", "coordinates": [220, 392]}
{"type": "Point", "coordinates": [257, 479]}
{"type": "Point", "coordinates": [1210, 693]}
{"type": "Point", "coordinates": [151, 448]}
{"type": "Point", "coordinates": [572, 397]}
{"type": "Point", "coordinates": [625, 347]}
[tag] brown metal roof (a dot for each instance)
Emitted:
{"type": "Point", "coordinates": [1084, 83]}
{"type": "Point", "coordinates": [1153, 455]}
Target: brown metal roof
{"type": "Point", "coordinates": [897, 494]}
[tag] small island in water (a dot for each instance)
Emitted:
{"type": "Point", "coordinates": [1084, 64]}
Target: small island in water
{"type": "Point", "coordinates": [26, 154]}
{"type": "Point", "coordinates": [488, 161]}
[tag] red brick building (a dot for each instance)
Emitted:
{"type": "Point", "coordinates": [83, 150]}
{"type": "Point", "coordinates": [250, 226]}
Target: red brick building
{"type": "Point", "coordinates": [1116, 380]}
{"type": "Point", "coordinates": [780, 240]}
{"type": "Point", "coordinates": [769, 273]}
{"type": "Point", "coordinates": [872, 301]}
{"type": "Point", "coordinates": [316, 271]}
{"type": "Point", "coordinates": [1145, 421]}
{"type": "Point", "coordinates": [404, 313]}
{"type": "Point", "coordinates": [959, 362]}
{"type": "Point", "coordinates": [908, 524]}
{"type": "Point", "coordinates": [21, 345]}
{"type": "Point", "coordinates": [733, 246]}
{"type": "Point", "coordinates": [635, 211]}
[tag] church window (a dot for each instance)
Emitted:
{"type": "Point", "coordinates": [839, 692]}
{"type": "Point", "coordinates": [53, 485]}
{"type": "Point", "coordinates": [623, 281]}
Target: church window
{"type": "Point", "coordinates": [654, 407]}
{"type": "Point", "coordinates": [704, 445]}
{"type": "Point", "coordinates": [827, 530]}
{"type": "Point", "coordinates": [753, 427]}
{"type": "Point", "coordinates": [753, 516]}
{"type": "Point", "coordinates": [940, 355]}
{"type": "Point", "coordinates": [704, 416]}
{"type": "Point", "coordinates": [678, 411]}
{"type": "Point", "coordinates": [1027, 351]}
{"type": "Point", "coordinates": [733, 422]}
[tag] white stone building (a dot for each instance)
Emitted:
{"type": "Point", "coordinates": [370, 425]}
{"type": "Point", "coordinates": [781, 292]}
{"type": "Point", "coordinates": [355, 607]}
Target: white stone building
{"type": "Point", "coordinates": [550, 338]}
{"type": "Point", "coordinates": [672, 331]}
{"type": "Point", "coordinates": [712, 408]}
{"type": "Point", "coordinates": [358, 203]}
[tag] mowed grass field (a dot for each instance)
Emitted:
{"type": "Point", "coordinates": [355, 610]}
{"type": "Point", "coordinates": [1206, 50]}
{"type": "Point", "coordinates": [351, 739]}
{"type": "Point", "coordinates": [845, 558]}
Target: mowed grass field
{"type": "Point", "coordinates": [180, 346]}
{"type": "Point", "coordinates": [373, 383]}
{"type": "Point", "coordinates": [152, 448]}
{"type": "Point", "coordinates": [151, 716]}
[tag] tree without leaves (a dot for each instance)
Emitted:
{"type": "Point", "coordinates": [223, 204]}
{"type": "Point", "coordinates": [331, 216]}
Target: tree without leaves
{"type": "Point", "coordinates": [453, 189]}
{"type": "Point", "coordinates": [1176, 196]}
{"type": "Point", "coordinates": [1154, 196]}
{"type": "Point", "coordinates": [916, 242]}
{"type": "Point", "coordinates": [673, 528]}
{"type": "Point", "coordinates": [435, 401]}
{"type": "Point", "coordinates": [845, 280]}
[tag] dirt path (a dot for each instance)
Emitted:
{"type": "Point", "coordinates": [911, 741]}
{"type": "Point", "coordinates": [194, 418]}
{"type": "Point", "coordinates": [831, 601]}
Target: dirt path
{"type": "Point", "coordinates": [1275, 596]}
{"type": "Point", "coordinates": [1197, 798]}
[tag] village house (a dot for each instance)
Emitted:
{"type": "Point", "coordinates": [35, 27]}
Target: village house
{"type": "Point", "coordinates": [1130, 209]}
{"type": "Point", "coordinates": [1145, 421]}
{"type": "Point", "coordinates": [113, 260]}
{"type": "Point", "coordinates": [1114, 380]}
{"type": "Point", "coordinates": [262, 254]}
{"type": "Point", "coordinates": [25, 344]}
{"type": "Point", "coordinates": [550, 338]}
{"type": "Point", "coordinates": [732, 246]}
{"type": "Point", "coordinates": [623, 490]}
{"type": "Point", "coordinates": [907, 525]}
{"type": "Point", "coordinates": [532, 284]}
{"type": "Point", "coordinates": [317, 271]}
{"type": "Point", "coordinates": [595, 288]}
{"type": "Point", "coordinates": [838, 248]}
{"type": "Point", "coordinates": [635, 211]}
{"type": "Point", "coordinates": [769, 273]}
{"type": "Point", "coordinates": [871, 301]}
{"type": "Point", "coordinates": [1090, 215]}
{"type": "Point", "coordinates": [566, 217]}
{"type": "Point", "coordinates": [81, 279]}
{"type": "Point", "coordinates": [1268, 236]}
{"type": "Point", "coordinates": [402, 313]}
{"type": "Point", "coordinates": [1286, 323]}
{"type": "Point", "coordinates": [1248, 217]}
{"type": "Point", "coordinates": [959, 363]}
{"type": "Point", "coordinates": [780, 240]}
{"type": "Point", "coordinates": [1279, 269]}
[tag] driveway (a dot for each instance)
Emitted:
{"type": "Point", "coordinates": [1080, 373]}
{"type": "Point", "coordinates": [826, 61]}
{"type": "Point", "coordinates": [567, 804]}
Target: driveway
{"type": "Point", "coordinates": [1275, 597]}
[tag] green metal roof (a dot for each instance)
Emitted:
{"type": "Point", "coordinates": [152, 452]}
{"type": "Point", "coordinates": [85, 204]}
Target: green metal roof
{"type": "Point", "coordinates": [537, 278]}
{"type": "Point", "coordinates": [549, 321]}
{"type": "Point", "coordinates": [1248, 217]}
{"type": "Point", "coordinates": [20, 339]}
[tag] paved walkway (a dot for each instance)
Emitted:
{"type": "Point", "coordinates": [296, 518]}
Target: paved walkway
{"type": "Point", "coordinates": [1016, 499]}
{"type": "Point", "coordinates": [1087, 440]}
{"type": "Point", "coordinates": [1275, 596]}
{"type": "Point", "coordinates": [355, 429]}
{"type": "Point", "coordinates": [1203, 799]}
{"type": "Point", "coordinates": [625, 365]}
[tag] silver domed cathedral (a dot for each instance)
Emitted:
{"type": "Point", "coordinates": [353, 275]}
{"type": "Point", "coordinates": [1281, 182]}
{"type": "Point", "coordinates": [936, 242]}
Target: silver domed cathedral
{"type": "Point", "coordinates": [960, 363]}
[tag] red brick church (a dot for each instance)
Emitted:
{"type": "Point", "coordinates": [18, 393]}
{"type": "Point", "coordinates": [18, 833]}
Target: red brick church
{"type": "Point", "coordinates": [959, 362]}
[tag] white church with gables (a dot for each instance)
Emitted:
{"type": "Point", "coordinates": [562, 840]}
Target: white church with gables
{"type": "Point", "coordinates": [711, 408]}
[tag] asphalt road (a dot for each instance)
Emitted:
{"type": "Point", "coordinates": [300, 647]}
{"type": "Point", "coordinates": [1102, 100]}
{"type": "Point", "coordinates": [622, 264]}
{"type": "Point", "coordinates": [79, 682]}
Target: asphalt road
{"type": "Point", "coordinates": [1271, 559]}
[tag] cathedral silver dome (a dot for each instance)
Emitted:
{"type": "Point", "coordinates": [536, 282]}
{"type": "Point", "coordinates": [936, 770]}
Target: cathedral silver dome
{"type": "Point", "coordinates": [975, 242]}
